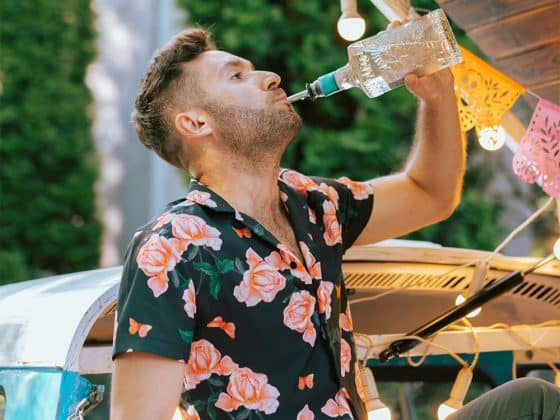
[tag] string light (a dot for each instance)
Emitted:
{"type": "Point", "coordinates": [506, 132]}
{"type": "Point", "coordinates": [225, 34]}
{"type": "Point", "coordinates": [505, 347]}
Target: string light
{"type": "Point", "coordinates": [351, 26]}
{"type": "Point", "coordinates": [458, 393]}
{"type": "Point", "coordinates": [376, 409]}
{"type": "Point", "coordinates": [491, 138]}
{"type": "Point", "coordinates": [556, 249]}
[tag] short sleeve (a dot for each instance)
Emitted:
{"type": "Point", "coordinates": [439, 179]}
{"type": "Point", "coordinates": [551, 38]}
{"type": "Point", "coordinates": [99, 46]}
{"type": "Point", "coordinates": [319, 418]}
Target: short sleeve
{"type": "Point", "coordinates": [156, 304]}
{"type": "Point", "coordinates": [355, 205]}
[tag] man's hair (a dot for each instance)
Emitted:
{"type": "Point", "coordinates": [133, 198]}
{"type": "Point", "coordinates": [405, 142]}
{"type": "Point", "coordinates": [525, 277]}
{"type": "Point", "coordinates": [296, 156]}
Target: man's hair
{"type": "Point", "coordinates": [164, 82]}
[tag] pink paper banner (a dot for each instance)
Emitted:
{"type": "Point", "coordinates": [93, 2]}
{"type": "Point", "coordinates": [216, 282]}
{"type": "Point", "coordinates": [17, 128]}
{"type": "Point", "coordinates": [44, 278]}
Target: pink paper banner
{"type": "Point", "coordinates": [537, 159]}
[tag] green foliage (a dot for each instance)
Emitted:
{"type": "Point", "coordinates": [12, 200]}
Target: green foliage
{"type": "Point", "coordinates": [12, 267]}
{"type": "Point", "coordinates": [346, 134]}
{"type": "Point", "coordinates": [48, 168]}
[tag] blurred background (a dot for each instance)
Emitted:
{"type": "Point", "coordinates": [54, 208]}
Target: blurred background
{"type": "Point", "coordinates": [76, 182]}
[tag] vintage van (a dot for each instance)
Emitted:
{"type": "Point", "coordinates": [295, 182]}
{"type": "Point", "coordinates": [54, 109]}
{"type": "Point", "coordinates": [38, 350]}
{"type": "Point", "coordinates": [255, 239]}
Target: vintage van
{"type": "Point", "coordinates": [56, 332]}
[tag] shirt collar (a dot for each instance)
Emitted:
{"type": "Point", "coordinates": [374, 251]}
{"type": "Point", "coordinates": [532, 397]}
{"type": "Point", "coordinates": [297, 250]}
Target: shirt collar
{"type": "Point", "coordinates": [215, 202]}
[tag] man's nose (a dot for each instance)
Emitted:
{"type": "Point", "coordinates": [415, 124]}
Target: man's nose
{"type": "Point", "coordinates": [270, 80]}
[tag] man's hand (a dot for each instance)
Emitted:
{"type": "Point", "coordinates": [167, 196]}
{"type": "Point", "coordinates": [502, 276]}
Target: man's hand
{"type": "Point", "coordinates": [145, 387]}
{"type": "Point", "coordinates": [431, 88]}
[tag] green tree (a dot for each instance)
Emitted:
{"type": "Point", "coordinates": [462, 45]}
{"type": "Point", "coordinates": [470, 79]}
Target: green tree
{"type": "Point", "coordinates": [346, 134]}
{"type": "Point", "coordinates": [48, 168]}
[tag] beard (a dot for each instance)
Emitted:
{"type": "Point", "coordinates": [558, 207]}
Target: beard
{"type": "Point", "coordinates": [255, 135]}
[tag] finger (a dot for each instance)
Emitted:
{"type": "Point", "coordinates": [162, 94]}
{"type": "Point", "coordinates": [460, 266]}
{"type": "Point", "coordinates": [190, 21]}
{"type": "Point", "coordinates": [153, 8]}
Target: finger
{"type": "Point", "coordinates": [411, 81]}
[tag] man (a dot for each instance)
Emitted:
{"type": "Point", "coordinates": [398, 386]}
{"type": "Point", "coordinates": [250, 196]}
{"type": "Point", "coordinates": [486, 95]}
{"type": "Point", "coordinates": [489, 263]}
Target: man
{"type": "Point", "coordinates": [234, 296]}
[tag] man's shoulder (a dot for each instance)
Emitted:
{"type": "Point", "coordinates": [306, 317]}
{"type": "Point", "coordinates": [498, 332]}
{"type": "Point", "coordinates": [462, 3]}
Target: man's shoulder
{"type": "Point", "coordinates": [182, 211]}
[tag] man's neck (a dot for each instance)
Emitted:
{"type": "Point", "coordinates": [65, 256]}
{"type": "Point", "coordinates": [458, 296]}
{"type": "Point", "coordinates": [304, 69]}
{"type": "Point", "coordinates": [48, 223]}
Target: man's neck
{"type": "Point", "coordinates": [251, 191]}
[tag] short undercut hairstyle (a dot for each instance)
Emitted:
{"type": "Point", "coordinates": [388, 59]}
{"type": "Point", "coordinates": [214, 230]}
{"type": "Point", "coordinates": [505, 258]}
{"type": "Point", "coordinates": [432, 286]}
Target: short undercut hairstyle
{"type": "Point", "coordinates": [161, 88]}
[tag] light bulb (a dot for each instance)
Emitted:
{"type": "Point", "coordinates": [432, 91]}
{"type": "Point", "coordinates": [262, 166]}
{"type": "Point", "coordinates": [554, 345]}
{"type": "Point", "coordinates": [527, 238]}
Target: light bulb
{"type": "Point", "coordinates": [460, 299]}
{"type": "Point", "coordinates": [351, 27]}
{"type": "Point", "coordinates": [458, 393]}
{"type": "Point", "coordinates": [491, 138]}
{"type": "Point", "coordinates": [380, 414]}
{"type": "Point", "coordinates": [445, 410]}
{"type": "Point", "coordinates": [556, 249]}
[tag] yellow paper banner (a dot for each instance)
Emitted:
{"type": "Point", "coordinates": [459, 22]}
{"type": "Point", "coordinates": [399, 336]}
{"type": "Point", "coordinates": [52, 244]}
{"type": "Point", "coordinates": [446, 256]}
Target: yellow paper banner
{"type": "Point", "coordinates": [483, 93]}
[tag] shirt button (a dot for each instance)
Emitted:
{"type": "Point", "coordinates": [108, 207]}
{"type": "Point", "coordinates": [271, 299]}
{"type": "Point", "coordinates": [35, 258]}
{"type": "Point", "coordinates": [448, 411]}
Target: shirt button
{"type": "Point", "coordinates": [293, 265]}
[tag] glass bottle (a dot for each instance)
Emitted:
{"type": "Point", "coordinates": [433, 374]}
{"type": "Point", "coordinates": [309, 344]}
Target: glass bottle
{"type": "Point", "coordinates": [379, 63]}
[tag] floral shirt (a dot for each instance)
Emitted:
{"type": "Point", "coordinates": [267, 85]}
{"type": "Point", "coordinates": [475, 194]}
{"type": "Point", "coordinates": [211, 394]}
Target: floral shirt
{"type": "Point", "coordinates": [262, 334]}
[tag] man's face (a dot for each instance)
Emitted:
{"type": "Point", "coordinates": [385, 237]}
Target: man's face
{"type": "Point", "coordinates": [250, 112]}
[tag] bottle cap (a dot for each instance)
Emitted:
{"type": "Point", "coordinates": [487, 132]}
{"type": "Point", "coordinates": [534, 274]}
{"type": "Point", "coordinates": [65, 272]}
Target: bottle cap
{"type": "Point", "coordinates": [328, 84]}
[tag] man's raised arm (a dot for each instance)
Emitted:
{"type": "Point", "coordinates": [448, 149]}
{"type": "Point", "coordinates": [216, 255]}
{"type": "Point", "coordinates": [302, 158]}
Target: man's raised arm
{"type": "Point", "coordinates": [429, 188]}
{"type": "Point", "coordinates": [145, 387]}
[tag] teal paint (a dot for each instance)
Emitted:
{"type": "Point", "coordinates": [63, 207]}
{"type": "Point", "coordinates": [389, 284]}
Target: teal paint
{"type": "Point", "coordinates": [497, 364]}
{"type": "Point", "coordinates": [31, 394]}
{"type": "Point", "coordinates": [73, 389]}
{"type": "Point", "coordinates": [41, 393]}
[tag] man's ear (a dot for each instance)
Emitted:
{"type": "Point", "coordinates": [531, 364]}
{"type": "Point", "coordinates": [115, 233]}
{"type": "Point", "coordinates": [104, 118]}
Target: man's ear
{"type": "Point", "coordinates": [192, 123]}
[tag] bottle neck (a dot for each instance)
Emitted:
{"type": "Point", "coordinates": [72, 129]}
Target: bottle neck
{"type": "Point", "coordinates": [330, 83]}
{"type": "Point", "coordinates": [344, 78]}
{"type": "Point", "coordinates": [326, 85]}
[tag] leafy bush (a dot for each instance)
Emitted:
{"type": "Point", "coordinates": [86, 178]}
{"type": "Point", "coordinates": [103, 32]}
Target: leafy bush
{"type": "Point", "coordinates": [346, 134]}
{"type": "Point", "coordinates": [12, 267]}
{"type": "Point", "coordinates": [48, 167]}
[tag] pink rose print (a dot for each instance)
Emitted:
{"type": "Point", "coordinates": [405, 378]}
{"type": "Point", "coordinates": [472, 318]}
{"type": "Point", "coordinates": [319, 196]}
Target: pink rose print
{"type": "Point", "coordinates": [199, 197]}
{"type": "Point", "coordinates": [337, 407]}
{"type": "Point", "coordinates": [313, 266]}
{"type": "Point", "coordinates": [189, 296]}
{"type": "Point", "coordinates": [360, 190]}
{"type": "Point", "coordinates": [305, 414]}
{"type": "Point", "coordinates": [329, 191]}
{"type": "Point", "coordinates": [194, 230]}
{"type": "Point", "coordinates": [286, 260]}
{"type": "Point", "coordinates": [156, 257]}
{"type": "Point", "coordinates": [345, 320]}
{"type": "Point", "coordinates": [324, 294]}
{"type": "Point", "coordinates": [297, 315]}
{"type": "Point", "coordinates": [163, 220]}
{"type": "Point", "coordinates": [333, 230]}
{"type": "Point", "coordinates": [345, 357]}
{"type": "Point", "coordinates": [205, 360]}
{"type": "Point", "coordinates": [249, 389]}
{"type": "Point", "coordinates": [226, 366]}
{"type": "Point", "coordinates": [312, 215]}
{"type": "Point", "coordinates": [261, 282]}
{"type": "Point", "coordinates": [297, 181]}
